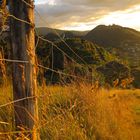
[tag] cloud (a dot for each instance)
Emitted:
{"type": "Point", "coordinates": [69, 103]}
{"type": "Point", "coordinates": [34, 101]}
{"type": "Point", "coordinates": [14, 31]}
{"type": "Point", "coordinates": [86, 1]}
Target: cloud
{"type": "Point", "coordinates": [66, 13]}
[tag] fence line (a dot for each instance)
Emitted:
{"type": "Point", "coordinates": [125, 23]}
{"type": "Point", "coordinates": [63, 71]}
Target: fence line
{"type": "Point", "coordinates": [39, 65]}
{"type": "Point", "coordinates": [53, 44]}
{"type": "Point", "coordinates": [60, 50]}
{"type": "Point", "coordinates": [28, 4]}
{"type": "Point", "coordinates": [18, 19]}
{"type": "Point", "coordinates": [39, 37]}
{"type": "Point", "coordinates": [14, 61]}
{"type": "Point", "coordinates": [15, 101]}
{"type": "Point", "coordinates": [63, 40]}
{"type": "Point", "coordinates": [60, 72]}
{"type": "Point", "coordinates": [40, 96]}
{"type": "Point", "coordinates": [44, 67]}
{"type": "Point", "coordinates": [43, 39]}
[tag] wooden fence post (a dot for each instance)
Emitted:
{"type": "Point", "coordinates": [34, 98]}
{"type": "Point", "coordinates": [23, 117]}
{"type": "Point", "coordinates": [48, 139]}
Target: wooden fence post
{"type": "Point", "coordinates": [24, 74]}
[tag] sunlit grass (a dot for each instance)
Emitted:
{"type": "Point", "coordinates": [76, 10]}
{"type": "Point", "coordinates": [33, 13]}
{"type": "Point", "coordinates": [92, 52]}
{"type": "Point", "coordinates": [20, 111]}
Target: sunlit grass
{"type": "Point", "coordinates": [79, 112]}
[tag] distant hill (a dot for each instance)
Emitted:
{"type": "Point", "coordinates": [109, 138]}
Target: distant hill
{"type": "Point", "coordinates": [121, 41]}
{"type": "Point", "coordinates": [97, 51]}
{"type": "Point", "coordinates": [45, 30]}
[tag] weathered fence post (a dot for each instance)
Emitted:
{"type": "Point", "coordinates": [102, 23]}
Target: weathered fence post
{"type": "Point", "coordinates": [24, 73]}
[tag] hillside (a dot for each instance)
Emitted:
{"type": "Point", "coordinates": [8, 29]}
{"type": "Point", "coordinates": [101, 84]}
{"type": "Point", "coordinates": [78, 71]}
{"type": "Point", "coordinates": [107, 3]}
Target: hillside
{"type": "Point", "coordinates": [89, 55]}
{"type": "Point", "coordinates": [95, 56]}
{"type": "Point", "coordinates": [121, 41]}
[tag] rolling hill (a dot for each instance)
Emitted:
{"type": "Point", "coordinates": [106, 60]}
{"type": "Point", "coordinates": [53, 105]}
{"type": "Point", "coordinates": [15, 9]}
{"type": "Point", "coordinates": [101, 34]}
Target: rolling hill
{"type": "Point", "coordinates": [121, 41]}
{"type": "Point", "coordinates": [99, 48]}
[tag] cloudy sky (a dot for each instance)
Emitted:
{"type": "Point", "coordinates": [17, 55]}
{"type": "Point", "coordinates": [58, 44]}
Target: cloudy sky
{"type": "Point", "coordinates": [86, 14]}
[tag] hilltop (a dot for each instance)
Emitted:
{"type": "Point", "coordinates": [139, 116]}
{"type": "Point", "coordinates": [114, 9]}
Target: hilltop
{"type": "Point", "coordinates": [121, 41]}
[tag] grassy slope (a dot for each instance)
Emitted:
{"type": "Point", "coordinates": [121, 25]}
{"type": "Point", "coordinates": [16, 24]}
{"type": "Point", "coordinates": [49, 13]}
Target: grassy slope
{"type": "Point", "coordinates": [81, 112]}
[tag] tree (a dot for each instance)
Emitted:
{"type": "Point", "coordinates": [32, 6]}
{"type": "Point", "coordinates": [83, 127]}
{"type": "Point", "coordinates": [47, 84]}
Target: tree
{"type": "Point", "coordinates": [114, 71]}
{"type": "Point", "coordinates": [24, 72]}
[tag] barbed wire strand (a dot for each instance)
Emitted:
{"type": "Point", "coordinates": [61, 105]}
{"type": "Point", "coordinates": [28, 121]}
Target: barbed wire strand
{"type": "Point", "coordinates": [18, 19]}
{"type": "Point", "coordinates": [28, 4]}
{"type": "Point", "coordinates": [41, 38]}
{"type": "Point", "coordinates": [14, 61]}
{"type": "Point", "coordinates": [60, 72]}
{"type": "Point", "coordinates": [47, 68]}
{"type": "Point", "coordinates": [40, 96]}
{"type": "Point", "coordinates": [41, 66]}
{"type": "Point", "coordinates": [63, 40]}
{"type": "Point", "coordinates": [53, 44]}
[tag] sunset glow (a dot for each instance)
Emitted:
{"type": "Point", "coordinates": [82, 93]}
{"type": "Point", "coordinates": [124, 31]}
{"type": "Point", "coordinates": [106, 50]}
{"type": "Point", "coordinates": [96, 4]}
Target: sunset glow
{"type": "Point", "coordinates": [59, 14]}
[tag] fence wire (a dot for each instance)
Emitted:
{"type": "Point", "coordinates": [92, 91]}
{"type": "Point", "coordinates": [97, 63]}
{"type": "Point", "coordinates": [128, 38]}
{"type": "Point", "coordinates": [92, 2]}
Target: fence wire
{"type": "Point", "coordinates": [8, 15]}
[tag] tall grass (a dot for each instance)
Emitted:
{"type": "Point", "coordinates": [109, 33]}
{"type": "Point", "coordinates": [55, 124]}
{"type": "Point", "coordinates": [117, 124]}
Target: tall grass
{"type": "Point", "coordinates": [6, 112]}
{"type": "Point", "coordinates": [79, 112]}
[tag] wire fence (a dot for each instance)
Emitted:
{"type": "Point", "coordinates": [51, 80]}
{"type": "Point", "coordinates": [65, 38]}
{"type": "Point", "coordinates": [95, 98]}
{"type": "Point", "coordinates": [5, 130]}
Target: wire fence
{"type": "Point", "coordinates": [53, 44]}
{"type": "Point", "coordinates": [46, 40]}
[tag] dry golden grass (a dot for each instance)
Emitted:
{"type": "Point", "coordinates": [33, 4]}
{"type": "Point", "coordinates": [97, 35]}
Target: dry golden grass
{"type": "Point", "coordinates": [81, 112]}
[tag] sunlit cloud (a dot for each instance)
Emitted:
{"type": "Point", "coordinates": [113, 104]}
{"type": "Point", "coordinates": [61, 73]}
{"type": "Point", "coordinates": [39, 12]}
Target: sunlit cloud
{"type": "Point", "coordinates": [40, 1]}
{"type": "Point", "coordinates": [86, 14]}
{"type": "Point", "coordinates": [49, 2]}
{"type": "Point", "coordinates": [128, 18]}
